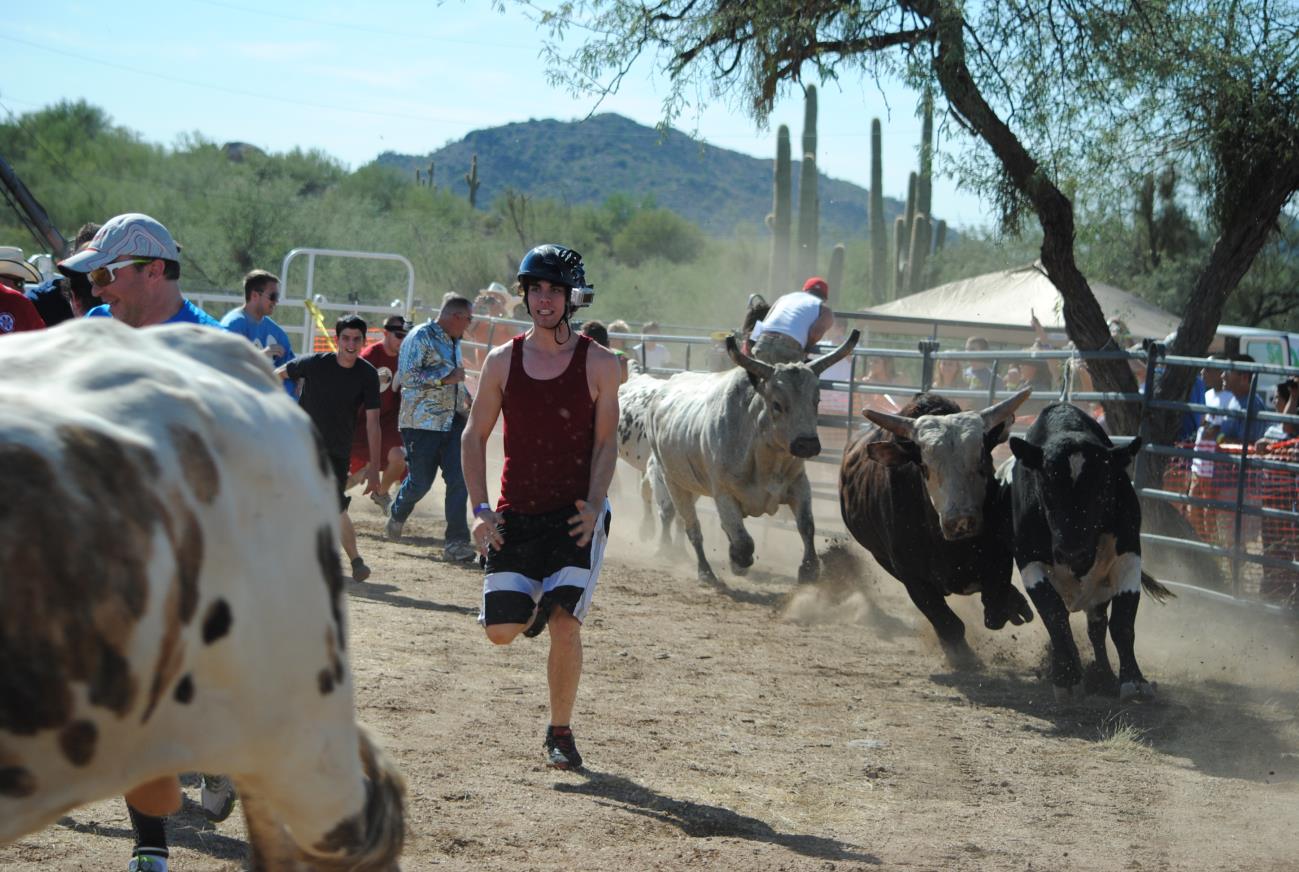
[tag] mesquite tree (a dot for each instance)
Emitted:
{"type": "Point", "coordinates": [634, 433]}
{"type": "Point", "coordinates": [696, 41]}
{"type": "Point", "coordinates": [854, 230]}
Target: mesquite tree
{"type": "Point", "coordinates": [1074, 92]}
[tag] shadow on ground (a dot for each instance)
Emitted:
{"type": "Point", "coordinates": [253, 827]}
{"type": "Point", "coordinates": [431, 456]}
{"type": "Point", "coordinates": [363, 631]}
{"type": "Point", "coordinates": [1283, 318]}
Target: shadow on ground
{"type": "Point", "coordinates": [699, 820]}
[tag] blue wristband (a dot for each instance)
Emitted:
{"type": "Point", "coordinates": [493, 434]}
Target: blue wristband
{"type": "Point", "coordinates": [482, 507]}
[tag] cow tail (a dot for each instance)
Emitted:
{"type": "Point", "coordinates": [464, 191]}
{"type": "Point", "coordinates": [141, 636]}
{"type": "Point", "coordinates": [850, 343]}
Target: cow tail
{"type": "Point", "coordinates": [1156, 590]}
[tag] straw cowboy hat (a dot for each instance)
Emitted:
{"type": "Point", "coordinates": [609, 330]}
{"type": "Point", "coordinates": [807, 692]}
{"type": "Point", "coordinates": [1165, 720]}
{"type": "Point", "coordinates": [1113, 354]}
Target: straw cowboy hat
{"type": "Point", "coordinates": [13, 264]}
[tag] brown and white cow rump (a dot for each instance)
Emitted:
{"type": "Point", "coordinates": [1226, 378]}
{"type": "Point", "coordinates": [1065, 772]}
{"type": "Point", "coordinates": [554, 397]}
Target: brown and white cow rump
{"type": "Point", "coordinates": [170, 593]}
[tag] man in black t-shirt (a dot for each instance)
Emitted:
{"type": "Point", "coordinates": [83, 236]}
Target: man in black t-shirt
{"type": "Point", "coordinates": [334, 386]}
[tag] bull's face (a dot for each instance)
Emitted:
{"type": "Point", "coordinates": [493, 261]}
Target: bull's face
{"type": "Point", "coordinates": [1076, 484]}
{"type": "Point", "coordinates": [954, 453]}
{"type": "Point", "coordinates": [792, 395]}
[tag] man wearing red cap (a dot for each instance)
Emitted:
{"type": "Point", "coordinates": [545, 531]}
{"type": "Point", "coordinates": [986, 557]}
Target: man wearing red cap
{"type": "Point", "coordinates": [795, 324]}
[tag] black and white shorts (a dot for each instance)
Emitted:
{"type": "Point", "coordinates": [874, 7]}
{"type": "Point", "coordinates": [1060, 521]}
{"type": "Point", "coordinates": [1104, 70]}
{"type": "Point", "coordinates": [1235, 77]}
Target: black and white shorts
{"type": "Point", "coordinates": [538, 557]}
{"type": "Point", "coordinates": [340, 465]}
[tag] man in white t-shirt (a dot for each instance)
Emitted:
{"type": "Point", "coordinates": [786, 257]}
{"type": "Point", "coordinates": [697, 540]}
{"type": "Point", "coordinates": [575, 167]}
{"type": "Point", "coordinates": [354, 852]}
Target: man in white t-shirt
{"type": "Point", "coordinates": [796, 322]}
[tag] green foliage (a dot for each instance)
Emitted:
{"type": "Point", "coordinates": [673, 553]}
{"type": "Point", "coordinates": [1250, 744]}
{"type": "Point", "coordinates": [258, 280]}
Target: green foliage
{"type": "Point", "coordinates": [657, 233]}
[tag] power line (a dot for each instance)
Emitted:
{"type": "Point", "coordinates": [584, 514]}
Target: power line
{"type": "Point", "coordinates": [355, 28]}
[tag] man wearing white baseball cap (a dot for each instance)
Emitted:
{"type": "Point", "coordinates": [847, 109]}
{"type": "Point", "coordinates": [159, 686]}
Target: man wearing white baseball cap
{"type": "Point", "coordinates": [134, 265]}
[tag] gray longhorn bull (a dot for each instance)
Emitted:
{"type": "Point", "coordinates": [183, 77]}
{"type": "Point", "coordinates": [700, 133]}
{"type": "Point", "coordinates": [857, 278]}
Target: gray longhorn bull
{"type": "Point", "coordinates": [740, 437]}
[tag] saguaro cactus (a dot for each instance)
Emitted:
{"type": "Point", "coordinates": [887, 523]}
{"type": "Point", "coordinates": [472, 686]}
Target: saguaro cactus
{"type": "Point", "coordinates": [919, 254]}
{"type": "Point", "coordinates": [881, 287]}
{"type": "Point", "coordinates": [925, 185]}
{"type": "Point", "coordinates": [471, 179]}
{"type": "Point", "coordinates": [809, 203]}
{"type": "Point", "coordinates": [780, 219]}
{"type": "Point", "coordinates": [432, 184]}
{"type": "Point", "coordinates": [835, 276]}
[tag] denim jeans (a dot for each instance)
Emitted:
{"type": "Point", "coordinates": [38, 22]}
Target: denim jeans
{"type": "Point", "coordinates": [426, 452]}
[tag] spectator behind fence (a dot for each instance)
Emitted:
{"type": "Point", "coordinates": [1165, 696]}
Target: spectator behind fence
{"type": "Point", "coordinates": [794, 325]}
{"type": "Point", "coordinates": [1285, 400]}
{"type": "Point", "coordinates": [756, 309]}
{"type": "Point", "coordinates": [978, 375]}
{"type": "Point", "coordinates": [652, 355]}
{"type": "Point", "coordinates": [253, 321]}
{"type": "Point", "coordinates": [597, 331]}
{"type": "Point", "coordinates": [17, 313]}
{"type": "Point", "coordinates": [1230, 428]}
{"type": "Point", "coordinates": [880, 370]}
{"type": "Point", "coordinates": [46, 294]}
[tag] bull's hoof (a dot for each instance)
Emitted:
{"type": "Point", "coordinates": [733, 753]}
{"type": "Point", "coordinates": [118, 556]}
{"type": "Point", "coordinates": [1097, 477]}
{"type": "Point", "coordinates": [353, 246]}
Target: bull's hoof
{"type": "Point", "coordinates": [1012, 607]}
{"type": "Point", "coordinates": [960, 656]}
{"type": "Point", "coordinates": [1136, 690]}
{"type": "Point", "coordinates": [1068, 692]}
{"type": "Point", "coordinates": [1100, 680]}
{"type": "Point", "coordinates": [740, 570]}
{"type": "Point", "coordinates": [809, 572]}
{"type": "Point", "coordinates": [706, 575]}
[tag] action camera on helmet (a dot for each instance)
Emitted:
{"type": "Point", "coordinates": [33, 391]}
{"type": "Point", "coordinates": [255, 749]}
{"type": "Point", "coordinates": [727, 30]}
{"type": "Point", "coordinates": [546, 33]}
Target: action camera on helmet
{"type": "Point", "coordinates": [559, 266]}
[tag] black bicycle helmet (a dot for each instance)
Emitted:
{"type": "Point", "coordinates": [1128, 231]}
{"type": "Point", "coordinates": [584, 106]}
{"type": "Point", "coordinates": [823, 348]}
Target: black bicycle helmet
{"type": "Point", "coordinates": [555, 264]}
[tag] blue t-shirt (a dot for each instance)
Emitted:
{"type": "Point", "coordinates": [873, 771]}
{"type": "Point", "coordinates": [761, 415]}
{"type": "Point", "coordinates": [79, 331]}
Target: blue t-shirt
{"type": "Point", "coordinates": [263, 334]}
{"type": "Point", "coordinates": [188, 314]}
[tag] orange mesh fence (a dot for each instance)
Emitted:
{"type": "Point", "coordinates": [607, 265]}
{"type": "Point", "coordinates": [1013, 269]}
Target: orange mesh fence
{"type": "Point", "coordinates": [1273, 537]}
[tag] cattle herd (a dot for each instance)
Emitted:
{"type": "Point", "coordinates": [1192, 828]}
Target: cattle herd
{"type": "Point", "coordinates": [154, 481]}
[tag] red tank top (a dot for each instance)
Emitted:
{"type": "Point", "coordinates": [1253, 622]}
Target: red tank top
{"type": "Point", "coordinates": [549, 432]}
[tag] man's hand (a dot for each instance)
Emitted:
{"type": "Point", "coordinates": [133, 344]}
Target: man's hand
{"type": "Point", "coordinates": [582, 525]}
{"type": "Point", "coordinates": [275, 350]}
{"type": "Point", "coordinates": [487, 532]}
{"type": "Point", "coordinates": [455, 377]}
{"type": "Point", "coordinates": [371, 480]}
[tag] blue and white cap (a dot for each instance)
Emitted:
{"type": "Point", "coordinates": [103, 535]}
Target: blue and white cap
{"type": "Point", "coordinates": [132, 234]}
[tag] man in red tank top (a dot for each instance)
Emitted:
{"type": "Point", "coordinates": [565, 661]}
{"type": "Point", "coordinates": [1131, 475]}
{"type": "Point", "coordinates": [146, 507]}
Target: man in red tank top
{"type": "Point", "coordinates": [544, 541]}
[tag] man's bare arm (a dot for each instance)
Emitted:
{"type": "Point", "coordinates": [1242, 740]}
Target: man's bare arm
{"type": "Point", "coordinates": [606, 373]}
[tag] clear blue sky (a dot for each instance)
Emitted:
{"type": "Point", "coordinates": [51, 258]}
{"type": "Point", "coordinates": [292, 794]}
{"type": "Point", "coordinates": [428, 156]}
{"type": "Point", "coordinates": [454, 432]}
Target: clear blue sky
{"type": "Point", "coordinates": [355, 80]}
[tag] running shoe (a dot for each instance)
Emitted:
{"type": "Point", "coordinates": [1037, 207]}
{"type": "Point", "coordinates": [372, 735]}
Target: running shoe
{"type": "Point", "coordinates": [383, 501]}
{"type": "Point", "coordinates": [561, 750]}
{"type": "Point", "coordinates": [217, 797]}
{"type": "Point", "coordinates": [459, 552]}
{"type": "Point", "coordinates": [147, 863]}
{"type": "Point", "coordinates": [392, 529]}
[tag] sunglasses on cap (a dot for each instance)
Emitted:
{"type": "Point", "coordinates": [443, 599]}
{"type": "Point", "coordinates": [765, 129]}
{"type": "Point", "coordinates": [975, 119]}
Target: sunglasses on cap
{"type": "Point", "coordinates": [102, 277]}
{"type": "Point", "coordinates": [395, 329]}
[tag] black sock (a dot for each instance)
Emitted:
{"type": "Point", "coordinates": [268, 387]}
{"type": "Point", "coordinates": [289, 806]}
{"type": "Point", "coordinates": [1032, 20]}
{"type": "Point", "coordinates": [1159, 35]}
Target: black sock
{"type": "Point", "coordinates": [150, 832]}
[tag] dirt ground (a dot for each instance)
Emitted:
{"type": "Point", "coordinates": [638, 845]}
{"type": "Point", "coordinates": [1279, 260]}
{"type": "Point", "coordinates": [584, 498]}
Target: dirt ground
{"type": "Point", "coordinates": [757, 725]}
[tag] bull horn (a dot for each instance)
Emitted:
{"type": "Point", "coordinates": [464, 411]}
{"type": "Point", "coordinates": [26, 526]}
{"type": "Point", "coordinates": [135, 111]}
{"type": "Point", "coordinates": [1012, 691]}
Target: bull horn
{"type": "Point", "coordinates": [825, 361]}
{"type": "Point", "coordinates": [756, 368]}
{"type": "Point", "coordinates": [899, 425]}
{"type": "Point", "coordinates": [1005, 410]}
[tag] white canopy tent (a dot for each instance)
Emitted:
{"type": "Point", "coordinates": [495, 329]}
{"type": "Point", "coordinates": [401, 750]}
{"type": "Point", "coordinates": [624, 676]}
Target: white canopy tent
{"type": "Point", "coordinates": [1007, 297]}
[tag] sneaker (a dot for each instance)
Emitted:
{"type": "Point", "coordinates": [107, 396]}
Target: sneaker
{"type": "Point", "coordinates": [147, 863]}
{"type": "Point", "coordinates": [539, 618]}
{"type": "Point", "coordinates": [392, 529]}
{"type": "Point", "coordinates": [360, 572]}
{"type": "Point", "coordinates": [460, 552]}
{"type": "Point", "coordinates": [561, 750]}
{"type": "Point", "coordinates": [383, 501]}
{"type": "Point", "coordinates": [216, 797]}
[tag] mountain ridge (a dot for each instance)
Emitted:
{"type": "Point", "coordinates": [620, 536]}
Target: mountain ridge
{"type": "Point", "coordinates": [585, 162]}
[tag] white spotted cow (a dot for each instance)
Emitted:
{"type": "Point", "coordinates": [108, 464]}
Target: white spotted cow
{"type": "Point", "coordinates": [1077, 526]}
{"type": "Point", "coordinates": [171, 598]}
{"type": "Point", "coordinates": [740, 437]}
{"type": "Point", "coordinates": [635, 397]}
